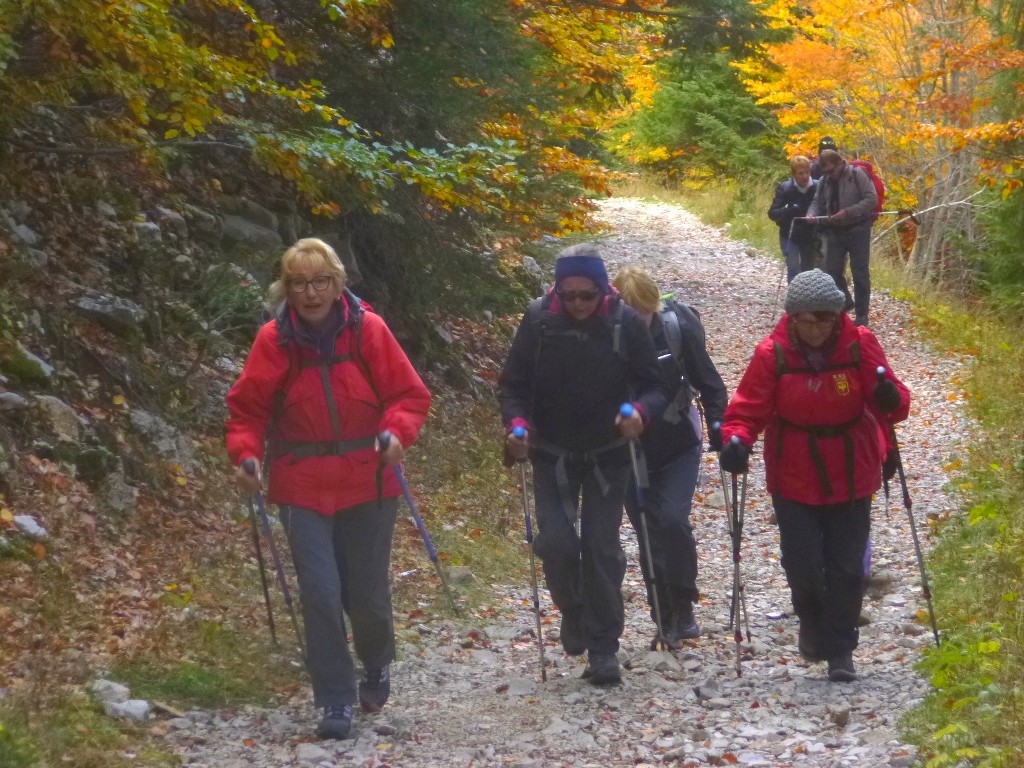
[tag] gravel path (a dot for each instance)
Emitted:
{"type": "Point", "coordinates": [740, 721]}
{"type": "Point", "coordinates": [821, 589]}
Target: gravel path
{"type": "Point", "coordinates": [470, 695]}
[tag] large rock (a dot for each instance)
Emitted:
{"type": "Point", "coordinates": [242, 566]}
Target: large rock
{"type": "Point", "coordinates": [58, 418]}
{"type": "Point", "coordinates": [247, 209]}
{"type": "Point", "coordinates": [242, 232]}
{"type": "Point", "coordinates": [203, 225]}
{"type": "Point", "coordinates": [168, 442]}
{"type": "Point", "coordinates": [123, 317]}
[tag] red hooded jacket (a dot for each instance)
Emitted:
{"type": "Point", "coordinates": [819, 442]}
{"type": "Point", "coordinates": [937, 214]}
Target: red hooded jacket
{"type": "Point", "coordinates": [367, 390]}
{"type": "Point", "coordinates": [820, 428]}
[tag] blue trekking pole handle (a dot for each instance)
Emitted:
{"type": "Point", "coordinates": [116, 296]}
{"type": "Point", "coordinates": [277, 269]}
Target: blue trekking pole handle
{"type": "Point", "coordinates": [626, 410]}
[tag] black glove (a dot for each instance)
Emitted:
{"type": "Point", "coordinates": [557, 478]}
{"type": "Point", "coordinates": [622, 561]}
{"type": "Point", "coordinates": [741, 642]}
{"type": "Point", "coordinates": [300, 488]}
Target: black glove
{"type": "Point", "coordinates": [889, 466]}
{"type": "Point", "coordinates": [715, 439]}
{"type": "Point", "coordinates": [735, 458]}
{"type": "Point", "coordinates": [887, 396]}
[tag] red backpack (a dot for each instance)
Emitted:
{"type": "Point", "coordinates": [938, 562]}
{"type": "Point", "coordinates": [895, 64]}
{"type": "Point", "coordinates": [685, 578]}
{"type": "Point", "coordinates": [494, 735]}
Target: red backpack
{"type": "Point", "coordinates": [869, 169]}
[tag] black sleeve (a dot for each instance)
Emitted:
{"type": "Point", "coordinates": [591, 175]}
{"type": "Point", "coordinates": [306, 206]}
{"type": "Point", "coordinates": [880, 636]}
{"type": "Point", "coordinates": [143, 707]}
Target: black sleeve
{"type": "Point", "coordinates": [652, 392]}
{"type": "Point", "coordinates": [700, 368]}
{"type": "Point", "coordinates": [515, 384]}
{"type": "Point", "coordinates": [777, 211]}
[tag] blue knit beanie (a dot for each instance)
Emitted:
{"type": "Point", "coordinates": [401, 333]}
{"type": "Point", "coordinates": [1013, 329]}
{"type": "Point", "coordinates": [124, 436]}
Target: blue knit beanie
{"type": "Point", "coordinates": [583, 260]}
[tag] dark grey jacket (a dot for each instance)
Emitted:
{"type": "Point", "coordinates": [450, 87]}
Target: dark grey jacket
{"type": "Point", "coordinates": [852, 191]}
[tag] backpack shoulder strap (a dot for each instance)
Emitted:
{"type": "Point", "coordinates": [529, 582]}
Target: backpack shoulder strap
{"type": "Point", "coordinates": [780, 360]}
{"type": "Point", "coordinates": [673, 329]}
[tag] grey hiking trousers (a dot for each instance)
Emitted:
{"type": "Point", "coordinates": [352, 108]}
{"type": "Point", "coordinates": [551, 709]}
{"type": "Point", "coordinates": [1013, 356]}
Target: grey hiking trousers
{"type": "Point", "coordinates": [343, 562]}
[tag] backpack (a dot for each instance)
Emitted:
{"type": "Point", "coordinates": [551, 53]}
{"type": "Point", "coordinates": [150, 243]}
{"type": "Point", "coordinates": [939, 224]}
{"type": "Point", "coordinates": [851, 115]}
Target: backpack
{"type": "Point", "coordinates": [671, 324]}
{"type": "Point", "coordinates": [869, 169]}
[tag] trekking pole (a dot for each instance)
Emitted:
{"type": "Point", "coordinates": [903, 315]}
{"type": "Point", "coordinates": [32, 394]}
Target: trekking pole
{"type": "Point", "coordinates": [659, 643]}
{"type": "Point", "coordinates": [782, 274]}
{"type": "Point", "coordinates": [249, 465]}
{"type": "Point", "coordinates": [520, 433]}
{"type": "Point", "coordinates": [254, 527]}
{"type": "Point", "coordinates": [738, 608]}
{"type": "Point", "coordinates": [909, 505]}
{"type": "Point", "coordinates": [383, 440]}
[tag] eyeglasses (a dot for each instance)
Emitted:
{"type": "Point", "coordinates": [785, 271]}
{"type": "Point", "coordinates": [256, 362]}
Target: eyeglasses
{"type": "Point", "coordinates": [569, 296]}
{"type": "Point", "coordinates": [816, 318]}
{"type": "Point", "coordinates": [319, 283]}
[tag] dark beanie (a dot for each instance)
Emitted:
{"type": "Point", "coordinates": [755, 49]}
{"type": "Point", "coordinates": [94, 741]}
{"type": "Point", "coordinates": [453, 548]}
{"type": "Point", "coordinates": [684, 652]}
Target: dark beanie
{"type": "Point", "coordinates": [827, 142]}
{"type": "Point", "coordinates": [583, 260]}
{"type": "Point", "coordinates": [814, 291]}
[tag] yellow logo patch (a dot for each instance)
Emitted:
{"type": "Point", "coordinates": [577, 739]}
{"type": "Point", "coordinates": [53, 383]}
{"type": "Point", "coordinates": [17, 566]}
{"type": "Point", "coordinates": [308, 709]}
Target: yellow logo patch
{"type": "Point", "coordinates": [842, 383]}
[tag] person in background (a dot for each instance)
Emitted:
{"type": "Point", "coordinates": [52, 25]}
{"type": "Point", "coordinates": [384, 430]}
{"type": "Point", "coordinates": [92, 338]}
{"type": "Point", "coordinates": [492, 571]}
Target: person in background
{"type": "Point", "coordinates": [323, 379]}
{"type": "Point", "coordinates": [792, 199]}
{"type": "Point", "coordinates": [845, 198]}
{"type": "Point", "coordinates": [580, 352]}
{"type": "Point", "coordinates": [827, 142]}
{"type": "Point", "coordinates": [813, 388]}
{"type": "Point", "coordinates": [672, 449]}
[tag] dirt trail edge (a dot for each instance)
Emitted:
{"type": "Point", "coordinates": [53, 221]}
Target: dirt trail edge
{"type": "Point", "coordinates": [471, 695]}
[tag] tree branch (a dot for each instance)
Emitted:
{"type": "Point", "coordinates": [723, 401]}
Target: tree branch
{"type": "Point", "coordinates": [66, 149]}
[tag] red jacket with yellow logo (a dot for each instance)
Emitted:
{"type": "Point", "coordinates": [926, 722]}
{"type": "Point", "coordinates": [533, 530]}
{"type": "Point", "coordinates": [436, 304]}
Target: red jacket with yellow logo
{"type": "Point", "coordinates": [824, 436]}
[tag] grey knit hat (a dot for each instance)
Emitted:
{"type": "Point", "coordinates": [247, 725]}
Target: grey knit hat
{"type": "Point", "coordinates": [814, 291]}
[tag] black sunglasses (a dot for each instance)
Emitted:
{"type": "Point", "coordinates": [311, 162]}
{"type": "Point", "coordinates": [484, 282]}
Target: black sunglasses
{"type": "Point", "coordinates": [568, 296]}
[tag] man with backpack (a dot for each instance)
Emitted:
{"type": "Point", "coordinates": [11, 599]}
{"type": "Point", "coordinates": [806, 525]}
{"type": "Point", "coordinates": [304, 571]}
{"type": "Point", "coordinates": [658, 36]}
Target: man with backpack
{"type": "Point", "coordinates": [672, 450]}
{"type": "Point", "coordinates": [846, 199]}
{"type": "Point", "coordinates": [579, 354]}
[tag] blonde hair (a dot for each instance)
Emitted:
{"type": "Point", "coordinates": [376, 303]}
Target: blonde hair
{"type": "Point", "coordinates": [307, 255]}
{"type": "Point", "coordinates": [799, 163]}
{"type": "Point", "coordinates": [638, 289]}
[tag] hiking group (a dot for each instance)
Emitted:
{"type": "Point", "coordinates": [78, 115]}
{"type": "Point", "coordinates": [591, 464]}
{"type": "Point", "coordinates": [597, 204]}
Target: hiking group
{"type": "Point", "coordinates": [608, 391]}
{"type": "Point", "coordinates": [825, 212]}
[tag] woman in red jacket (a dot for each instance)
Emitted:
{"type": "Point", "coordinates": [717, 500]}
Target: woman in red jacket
{"type": "Point", "coordinates": [813, 387]}
{"type": "Point", "coordinates": [322, 380]}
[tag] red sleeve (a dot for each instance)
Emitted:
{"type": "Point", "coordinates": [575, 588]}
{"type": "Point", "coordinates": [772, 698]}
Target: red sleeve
{"type": "Point", "coordinates": [872, 358]}
{"type": "Point", "coordinates": [404, 396]}
{"type": "Point", "coordinates": [251, 399]}
{"type": "Point", "coordinates": [753, 402]}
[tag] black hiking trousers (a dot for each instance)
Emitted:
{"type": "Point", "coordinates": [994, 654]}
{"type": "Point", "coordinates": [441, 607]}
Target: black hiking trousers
{"type": "Point", "coordinates": [823, 557]}
{"type": "Point", "coordinates": [585, 578]}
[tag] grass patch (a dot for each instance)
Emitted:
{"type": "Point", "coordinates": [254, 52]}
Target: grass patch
{"type": "Point", "coordinates": [976, 714]}
{"type": "Point", "coordinates": [190, 684]}
{"type": "Point", "coordinates": [74, 732]}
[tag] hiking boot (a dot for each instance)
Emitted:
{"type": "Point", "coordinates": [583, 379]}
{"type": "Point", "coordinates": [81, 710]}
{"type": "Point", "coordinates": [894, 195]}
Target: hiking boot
{"type": "Point", "coordinates": [374, 689]}
{"type": "Point", "coordinates": [683, 625]}
{"type": "Point", "coordinates": [574, 641]}
{"type": "Point", "coordinates": [336, 722]}
{"type": "Point", "coordinates": [808, 642]}
{"type": "Point", "coordinates": [840, 669]}
{"type": "Point", "coordinates": [603, 669]}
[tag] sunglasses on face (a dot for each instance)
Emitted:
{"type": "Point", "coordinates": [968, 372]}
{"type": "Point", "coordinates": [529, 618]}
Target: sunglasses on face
{"type": "Point", "coordinates": [568, 296]}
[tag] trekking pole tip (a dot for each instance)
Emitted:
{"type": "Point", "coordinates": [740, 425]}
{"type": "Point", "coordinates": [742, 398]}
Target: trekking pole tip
{"type": "Point", "coordinates": [518, 433]}
{"type": "Point", "coordinates": [626, 410]}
